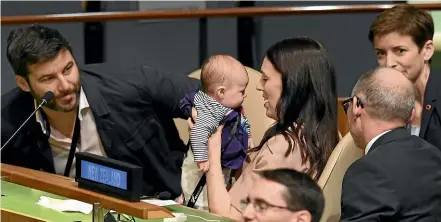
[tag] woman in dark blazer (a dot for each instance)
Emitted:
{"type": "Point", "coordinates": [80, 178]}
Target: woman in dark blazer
{"type": "Point", "coordinates": [403, 39]}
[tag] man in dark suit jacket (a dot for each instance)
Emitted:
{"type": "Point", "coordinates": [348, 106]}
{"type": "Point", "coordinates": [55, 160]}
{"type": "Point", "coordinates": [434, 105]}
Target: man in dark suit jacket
{"type": "Point", "coordinates": [399, 178]}
{"type": "Point", "coordinates": [128, 119]}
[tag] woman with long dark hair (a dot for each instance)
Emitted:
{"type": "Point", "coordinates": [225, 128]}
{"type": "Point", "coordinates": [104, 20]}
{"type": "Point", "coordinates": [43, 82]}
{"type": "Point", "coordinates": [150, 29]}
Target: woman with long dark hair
{"type": "Point", "coordinates": [298, 84]}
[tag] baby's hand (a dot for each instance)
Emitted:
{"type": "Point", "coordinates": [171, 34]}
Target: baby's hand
{"type": "Point", "coordinates": [250, 143]}
{"type": "Point", "coordinates": [203, 166]}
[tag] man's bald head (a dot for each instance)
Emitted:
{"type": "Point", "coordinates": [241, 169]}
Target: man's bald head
{"type": "Point", "coordinates": [221, 70]}
{"type": "Point", "coordinates": [389, 77]}
{"type": "Point", "coordinates": [387, 94]}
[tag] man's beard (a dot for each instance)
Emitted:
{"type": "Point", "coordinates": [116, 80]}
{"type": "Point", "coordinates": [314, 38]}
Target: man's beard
{"type": "Point", "coordinates": [53, 104]}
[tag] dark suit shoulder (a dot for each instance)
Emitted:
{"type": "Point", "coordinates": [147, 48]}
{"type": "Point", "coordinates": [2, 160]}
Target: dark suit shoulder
{"type": "Point", "coordinates": [410, 163]}
{"type": "Point", "coordinates": [433, 83]}
{"type": "Point", "coordinates": [431, 114]}
{"type": "Point", "coordinates": [17, 105]}
{"type": "Point", "coordinates": [402, 150]}
{"type": "Point", "coordinates": [408, 154]}
{"type": "Point", "coordinates": [12, 97]}
{"type": "Point", "coordinates": [367, 193]}
{"type": "Point", "coordinates": [365, 173]}
{"type": "Point", "coordinates": [115, 86]}
{"type": "Point", "coordinates": [364, 166]}
{"type": "Point", "coordinates": [108, 77]}
{"type": "Point", "coordinates": [140, 77]}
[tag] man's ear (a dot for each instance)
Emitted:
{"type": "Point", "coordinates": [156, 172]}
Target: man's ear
{"type": "Point", "coordinates": [302, 216]}
{"type": "Point", "coordinates": [356, 109]}
{"type": "Point", "coordinates": [428, 50]}
{"type": "Point", "coordinates": [412, 115]}
{"type": "Point", "coordinates": [220, 91]}
{"type": "Point", "coordinates": [22, 83]}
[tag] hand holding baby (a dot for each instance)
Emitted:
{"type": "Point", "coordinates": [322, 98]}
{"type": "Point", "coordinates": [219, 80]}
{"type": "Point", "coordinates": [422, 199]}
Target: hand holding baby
{"type": "Point", "coordinates": [250, 143]}
{"type": "Point", "coordinates": [204, 166]}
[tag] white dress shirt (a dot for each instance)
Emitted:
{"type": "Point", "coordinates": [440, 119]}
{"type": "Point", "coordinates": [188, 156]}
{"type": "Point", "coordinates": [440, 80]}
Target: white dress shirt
{"type": "Point", "coordinates": [89, 140]}
{"type": "Point", "coordinates": [369, 145]}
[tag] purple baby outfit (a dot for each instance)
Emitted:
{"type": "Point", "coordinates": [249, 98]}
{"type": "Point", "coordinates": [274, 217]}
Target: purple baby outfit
{"type": "Point", "coordinates": [234, 146]}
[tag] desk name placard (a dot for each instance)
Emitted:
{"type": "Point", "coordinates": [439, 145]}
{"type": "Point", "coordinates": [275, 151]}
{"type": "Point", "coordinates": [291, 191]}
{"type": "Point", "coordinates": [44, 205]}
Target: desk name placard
{"type": "Point", "coordinates": [109, 176]}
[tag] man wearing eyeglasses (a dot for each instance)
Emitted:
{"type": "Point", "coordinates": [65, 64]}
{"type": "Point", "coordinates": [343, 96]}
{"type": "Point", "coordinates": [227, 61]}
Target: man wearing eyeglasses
{"type": "Point", "coordinates": [399, 178]}
{"type": "Point", "coordinates": [283, 195]}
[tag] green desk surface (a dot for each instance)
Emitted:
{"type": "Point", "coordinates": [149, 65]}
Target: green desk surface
{"type": "Point", "coordinates": [23, 200]}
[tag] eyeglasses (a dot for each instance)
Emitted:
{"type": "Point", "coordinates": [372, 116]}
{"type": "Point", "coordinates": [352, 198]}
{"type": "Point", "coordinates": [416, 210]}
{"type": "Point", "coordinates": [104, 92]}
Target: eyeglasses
{"type": "Point", "coordinates": [260, 205]}
{"type": "Point", "coordinates": [346, 102]}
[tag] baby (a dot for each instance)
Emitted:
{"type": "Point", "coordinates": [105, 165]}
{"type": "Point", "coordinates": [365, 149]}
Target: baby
{"type": "Point", "coordinates": [224, 80]}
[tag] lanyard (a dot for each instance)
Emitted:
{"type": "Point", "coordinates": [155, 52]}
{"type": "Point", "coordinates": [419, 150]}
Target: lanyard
{"type": "Point", "coordinates": [198, 189]}
{"type": "Point", "coordinates": [73, 146]}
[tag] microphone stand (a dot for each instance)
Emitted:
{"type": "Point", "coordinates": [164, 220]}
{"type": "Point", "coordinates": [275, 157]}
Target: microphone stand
{"type": "Point", "coordinates": [19, 128]}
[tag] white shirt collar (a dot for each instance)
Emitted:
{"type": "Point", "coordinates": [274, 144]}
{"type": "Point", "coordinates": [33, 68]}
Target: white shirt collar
{"type": "Point", "coordinates": [369, 145]}
{"type": "Point", "coordinates": [83, 104]}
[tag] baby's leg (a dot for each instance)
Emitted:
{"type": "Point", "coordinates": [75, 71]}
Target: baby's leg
{"type": "Point", "coordinates": [190, 178]}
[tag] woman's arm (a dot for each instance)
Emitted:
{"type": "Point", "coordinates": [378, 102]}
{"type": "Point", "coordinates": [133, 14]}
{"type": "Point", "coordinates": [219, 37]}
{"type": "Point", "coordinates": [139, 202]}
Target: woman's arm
{"type": "Point", "coordinates": [219, 201]}
{"type": "Point", "coordinates": [222, 202]}
{"type": "Point", "coordinates": [216, 190]}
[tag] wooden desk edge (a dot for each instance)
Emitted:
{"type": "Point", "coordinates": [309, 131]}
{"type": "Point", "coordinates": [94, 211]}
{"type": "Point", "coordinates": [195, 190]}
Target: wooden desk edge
{"type": "Point", "coordinates": [212, 214]}
{"type": "Point", "coordinates": [65, 187]}
{"type": "Point", "coordinates": [12, 216]}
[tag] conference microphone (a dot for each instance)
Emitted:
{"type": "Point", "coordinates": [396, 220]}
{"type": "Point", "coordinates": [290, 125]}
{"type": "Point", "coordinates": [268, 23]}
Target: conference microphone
{"type": "Point", "coordinates": [164, 195]}
{"type": "Point", "coordinates": [161, 196]}
{"type": "Point", "coordinates": [47, 97]}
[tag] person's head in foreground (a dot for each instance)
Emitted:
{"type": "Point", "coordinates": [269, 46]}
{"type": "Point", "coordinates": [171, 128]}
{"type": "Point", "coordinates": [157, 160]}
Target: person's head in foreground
{"type": "Point", "coordinates": [224, 79]}
{"type": "Point", "coordinates": [299, 88]}
{"type": "Point", "coordinates": [402, 37]}
{"type": "Point", "coordinates": [42, 61]}
{"type": "Point", "coordinates": [283, 195]}
{"type": "Point", "coordinates": [382, 99]}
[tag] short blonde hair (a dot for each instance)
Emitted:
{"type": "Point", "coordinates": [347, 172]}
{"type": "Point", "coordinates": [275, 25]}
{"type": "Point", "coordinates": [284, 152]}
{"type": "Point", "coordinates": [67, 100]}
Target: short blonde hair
{"type": "Point", "coordinates": [218, 69]}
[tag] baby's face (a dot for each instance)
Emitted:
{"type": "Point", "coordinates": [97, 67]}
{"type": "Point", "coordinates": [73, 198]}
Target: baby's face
{"type": "Point", "coordinates": [235, 92]}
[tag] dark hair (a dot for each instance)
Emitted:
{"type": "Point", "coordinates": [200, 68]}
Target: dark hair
{"type": "Point", "coordinates": [307, 108]}
{"type": "Point", "coordinates": [302, 193]}
{"type": "Point", "coordinates": [405, 19]}
{"type": "Point", "coordinates": [33, 44]}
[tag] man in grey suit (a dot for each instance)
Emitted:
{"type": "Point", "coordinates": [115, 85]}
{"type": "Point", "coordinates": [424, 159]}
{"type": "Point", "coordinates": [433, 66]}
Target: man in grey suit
{"type": "Point", "coordinates": [399, 178]}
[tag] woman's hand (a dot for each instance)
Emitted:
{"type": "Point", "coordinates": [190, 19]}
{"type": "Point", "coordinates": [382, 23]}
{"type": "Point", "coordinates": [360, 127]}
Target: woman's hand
{"type": "Point", "coordinates": [215, 145]}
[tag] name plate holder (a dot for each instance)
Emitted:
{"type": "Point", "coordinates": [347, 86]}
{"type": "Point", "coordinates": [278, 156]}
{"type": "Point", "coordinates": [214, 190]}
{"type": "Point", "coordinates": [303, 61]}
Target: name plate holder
{"type": "Point", "coordinates": [68, 188]}
{"type": "Point", "coordinates": [108, 176]}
